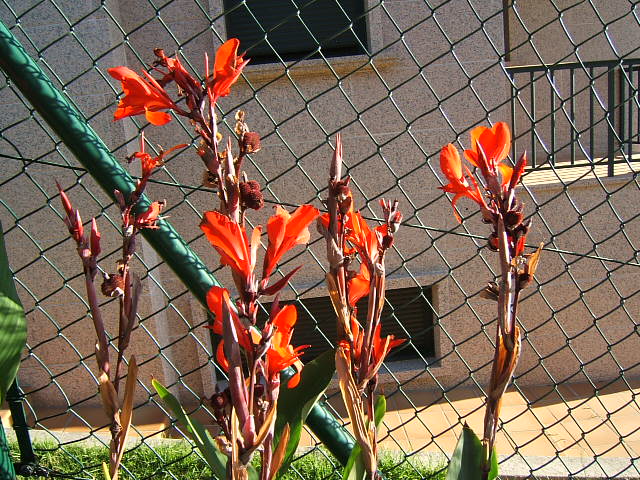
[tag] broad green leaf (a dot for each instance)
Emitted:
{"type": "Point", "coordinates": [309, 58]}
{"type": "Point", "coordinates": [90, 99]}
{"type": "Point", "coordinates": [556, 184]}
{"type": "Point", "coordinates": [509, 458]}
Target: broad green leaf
{"type": "Point", "coordinates": [294, 404]}
{"type": "Point", "coordinates": [216, 460]}
{"type": "Point", "coordinates": [354, 469]}
{"type": "Point", "coordinates": [13, 325]}
{"type": "Point", "coordinates": [466, 462]}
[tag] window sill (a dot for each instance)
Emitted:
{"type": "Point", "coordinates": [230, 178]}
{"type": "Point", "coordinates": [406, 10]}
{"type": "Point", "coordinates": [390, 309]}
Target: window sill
{"type": "Point", "coordinates": [581, 174]}
{"type": "Point", "coordinates": [330, 67]}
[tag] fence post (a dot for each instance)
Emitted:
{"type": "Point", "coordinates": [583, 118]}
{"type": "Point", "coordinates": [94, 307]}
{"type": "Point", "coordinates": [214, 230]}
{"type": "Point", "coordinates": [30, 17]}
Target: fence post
{"type": "Point", "coordinates": [6, 465]}
{"type": "Point", "coordinates": [93, 154]}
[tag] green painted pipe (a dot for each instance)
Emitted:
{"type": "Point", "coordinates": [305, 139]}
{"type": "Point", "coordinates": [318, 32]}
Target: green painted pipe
{"type": "Point", "coordinates": [89, 149]}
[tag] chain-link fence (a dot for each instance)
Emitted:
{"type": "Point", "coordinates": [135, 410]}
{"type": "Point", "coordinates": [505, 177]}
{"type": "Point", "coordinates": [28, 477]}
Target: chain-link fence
{"type": "Point", "coordinates": [399, 79]}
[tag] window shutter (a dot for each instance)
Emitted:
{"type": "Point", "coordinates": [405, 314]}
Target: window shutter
{"type": "Point", "coordinates": [265, 27]}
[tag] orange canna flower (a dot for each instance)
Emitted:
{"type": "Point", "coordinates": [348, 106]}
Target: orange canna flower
{"type": "Point", "coordinates": [148, 162]}
{"type": "Point", "coordinates": [141, 96]}
{"type": "Point", "coordinates": [215, 297]}
{"type": "Point", "coordinates": [286, 230]}
{"type": "Point", "coordinates": [495, 143]}
{"type": "Point", "coordinates": [359, 285]}
{"type": "Point", "coordinates": [365, 240]}
{"type": "Point", "coordinates": [451, 166]}
{"type": "Point", "coordinates": [381, 347]}
{"type": "Point", "coordinates": [227, 69]}
{"type": "Point", "coordinates": [281, 354]}
{"type": "Point", "coordinates": [230, 241]}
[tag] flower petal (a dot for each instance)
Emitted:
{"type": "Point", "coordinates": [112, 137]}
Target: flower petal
{"type": "Point", "coordinates": [157, 118]}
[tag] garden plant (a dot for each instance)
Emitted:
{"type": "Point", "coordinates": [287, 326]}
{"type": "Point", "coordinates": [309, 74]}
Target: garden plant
{"type": "Point", "coordinates": [270, 392]}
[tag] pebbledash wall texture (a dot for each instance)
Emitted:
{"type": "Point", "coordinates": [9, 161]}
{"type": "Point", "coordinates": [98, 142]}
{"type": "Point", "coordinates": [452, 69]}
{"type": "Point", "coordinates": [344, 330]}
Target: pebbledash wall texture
{"type": "Point", "coordinates": [435, 71]}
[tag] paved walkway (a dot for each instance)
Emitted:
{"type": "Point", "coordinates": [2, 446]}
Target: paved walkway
{"type": "Point", "coordinates": [570, 421]}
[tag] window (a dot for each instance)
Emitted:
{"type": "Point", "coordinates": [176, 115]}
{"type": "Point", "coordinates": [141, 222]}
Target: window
{"type": "Point", "coordinates": [273, 29]}
{"type": "Point", "coordinates": [407, 314]}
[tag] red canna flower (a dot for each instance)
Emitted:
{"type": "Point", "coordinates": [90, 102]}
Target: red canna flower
{"type": "Point", "coordinates": [149, 218]}
{"type": "Point", "coordinates": [215, 297]}
{"type": "Point", "coordinates": [230, 241]}
{"type": "Point", "coordinates": [286, 230]}
{"type": "Point", "coordinates": [451, 166]}
{"type": "Point", "coordinates": [495, 142]}
{"type": "Point", "coordinates": [141, 96]}
{"type": "Point", "coordinates": [227, 69]}
{"type": "Point", "coordinates": [281, 354]}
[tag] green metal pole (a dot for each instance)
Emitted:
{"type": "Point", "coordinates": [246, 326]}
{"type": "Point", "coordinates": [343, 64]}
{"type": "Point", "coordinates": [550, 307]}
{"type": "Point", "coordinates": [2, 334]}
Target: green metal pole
{"type": "Point", "coordinates": [6, 465]}
{"type": "Point", "coordinates": [93, 154]}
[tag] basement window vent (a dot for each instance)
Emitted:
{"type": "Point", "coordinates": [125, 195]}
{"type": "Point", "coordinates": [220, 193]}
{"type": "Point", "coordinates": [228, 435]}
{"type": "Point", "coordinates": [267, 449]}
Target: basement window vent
{"type": "Point", "coordinates": [278, 29]}
{"type": "Point", "coordinates": [408, 313]}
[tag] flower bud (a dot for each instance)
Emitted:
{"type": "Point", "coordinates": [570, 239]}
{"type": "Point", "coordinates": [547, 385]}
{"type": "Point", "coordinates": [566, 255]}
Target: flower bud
{"type": "Point", "coordinates": [95, 238]}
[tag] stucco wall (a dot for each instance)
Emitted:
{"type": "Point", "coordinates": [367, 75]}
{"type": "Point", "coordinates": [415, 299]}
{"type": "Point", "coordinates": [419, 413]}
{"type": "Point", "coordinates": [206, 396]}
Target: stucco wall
{"type": "Point", "coordinates": [434, 74]}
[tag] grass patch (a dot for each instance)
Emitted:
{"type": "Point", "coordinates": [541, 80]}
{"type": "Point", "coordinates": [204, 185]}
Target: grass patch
{"type": "Point", "coordinates": [179, 461]}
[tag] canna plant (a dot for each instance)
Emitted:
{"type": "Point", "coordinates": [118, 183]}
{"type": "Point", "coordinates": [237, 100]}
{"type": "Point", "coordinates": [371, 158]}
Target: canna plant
{"type": "Point", "coordinates": [361, 349]}
{"type": "Point", "coordinates": [124, 285]}
{"type": "Point", "coordinates": [500, 208]}
{"type": "Point", "coordinates": [247, 412]}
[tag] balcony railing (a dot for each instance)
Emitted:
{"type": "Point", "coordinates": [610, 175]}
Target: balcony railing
{"type": "Point", "coordinates": [578, 113]}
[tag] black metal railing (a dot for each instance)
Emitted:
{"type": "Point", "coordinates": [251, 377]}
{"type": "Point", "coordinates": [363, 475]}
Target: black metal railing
{"type": "Point", "coordinates": [576, 113]}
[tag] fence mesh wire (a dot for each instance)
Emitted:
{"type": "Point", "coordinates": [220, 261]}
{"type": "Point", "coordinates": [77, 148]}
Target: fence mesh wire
{"type": "Point", "coordinates": [563, 73]}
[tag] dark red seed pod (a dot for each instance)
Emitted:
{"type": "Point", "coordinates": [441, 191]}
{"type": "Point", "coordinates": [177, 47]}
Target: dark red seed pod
{"type": "Point", "coordinates": [113, 285]}
{"type": "Point", "coordinates": [524, 279]}
{"type": "Point", "coordinates": [218, 401]}
{"type": "Point", "coordinates": [249, 143]}
{"type": "Point", "coordinates": [250, 195]}
{"type": "Point", "coordinates": [512, 219]}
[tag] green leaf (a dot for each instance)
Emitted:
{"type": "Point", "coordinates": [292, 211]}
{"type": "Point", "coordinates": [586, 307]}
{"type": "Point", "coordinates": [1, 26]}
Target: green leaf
{"type": "Point", "coordinates": [380, 409]}
{"type": "Point", "coordinates": [466, 462]}
{"type": "Point", "coordinates": [355, 469]}
{"type": "Point", "coordinates": [253, 473]}
{"type": "Point", "coordinates": [493, 473]}
{"type": "Point", "coordinates": [216, 460]}
{"type": "Point", "coordinates": [13, 325]}
{"type": "Point", "coordinates": [105, 471]}
{"type": "Point", "coordinates": [294, 404]}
